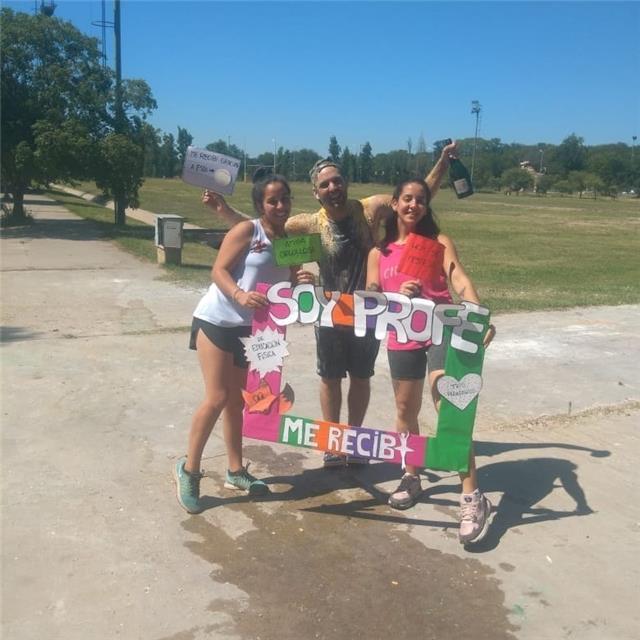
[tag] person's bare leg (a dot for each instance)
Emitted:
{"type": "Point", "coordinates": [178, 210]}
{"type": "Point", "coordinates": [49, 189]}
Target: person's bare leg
{"type": "Point", "coordinates": [358, 400]}
{"type": "Point", "coordinates": [331, 398]}
{"type": "Point", "coordinates": [232, 418]}
{"type": "Point", "coordinates": [408, 395]}
{"type": "Point", "coordinates": [215, 365]}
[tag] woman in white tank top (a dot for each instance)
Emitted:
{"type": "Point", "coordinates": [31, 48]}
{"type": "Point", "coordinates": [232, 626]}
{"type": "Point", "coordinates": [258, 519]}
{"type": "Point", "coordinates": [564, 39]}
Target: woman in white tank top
{"type": "Point", "coordinates": [224, 315]}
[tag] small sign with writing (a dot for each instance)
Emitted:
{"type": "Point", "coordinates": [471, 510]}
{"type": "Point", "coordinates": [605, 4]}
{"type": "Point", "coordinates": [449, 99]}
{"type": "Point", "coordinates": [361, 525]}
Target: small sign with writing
{"type": "Point", "coordinates": [460, 393]}
{"type": "Point", "coordinates": [422, 257]}
{"type": "Point", "coordinates": [298, 249]}
{"type": "Point", "coordinates": [265, 350]}
{"type": "Point", "coordinates": [210, 170]}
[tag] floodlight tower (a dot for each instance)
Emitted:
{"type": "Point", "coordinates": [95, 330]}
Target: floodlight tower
{"type": "Point", "coordinates": [633, 148]}
{"type": "Point", "coordinates": [103, 24]}
{"type": "Point", "coordinates": [47, 8]}
{"type": "Point", "coordinates": [475, 109]}
{"type": "Point", "coordinates": [274, 155]}
{"type": "Point", "coordinates": [119, 201]}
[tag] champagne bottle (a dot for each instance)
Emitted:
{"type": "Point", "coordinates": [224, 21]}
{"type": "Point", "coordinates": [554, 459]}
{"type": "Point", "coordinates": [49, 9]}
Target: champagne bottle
{"type": "Point", "coordinates": [459, 177]}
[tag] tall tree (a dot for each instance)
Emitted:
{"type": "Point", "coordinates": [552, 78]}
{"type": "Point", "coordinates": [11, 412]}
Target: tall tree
{"type": "Point", "coordinates": [182, 143]}
{"type": "Point", "coordinates": [305, 159]}
{"type": "Point", "coordinates": [422, 145]}
{"type": "Point", "coordinates": [57, 107]}
{"type": "Point", "coordinates": [120, 153]}
{"type": "Point", "coordinates": [151, 142]}
{"type": "Point", "coordinates": [346, 162]}
{"type": "Point", "coordinates": [516, 179]}
{"type": "Point", "coordinates": [334, 149]}
{"type": "Point", "coordinates": [366, 163]}
{"type": "Point", "coordinates": [168, 156]}
{"type": "Point", "coordinates": [284, 162]}
{"type": "Point", "coordinates": [119, 168]}
{"type": "Point", "coordinates": [570, 155]}
{"type": "Point", "coordinates": [54, 91]}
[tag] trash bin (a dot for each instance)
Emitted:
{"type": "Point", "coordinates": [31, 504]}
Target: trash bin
{"type": "Point", "coordinates": [168, 238]}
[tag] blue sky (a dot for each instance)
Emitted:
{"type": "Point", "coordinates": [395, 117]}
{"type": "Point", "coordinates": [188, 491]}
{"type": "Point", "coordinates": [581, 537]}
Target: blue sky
{"type": "Point", "coordinates": [383, 72]}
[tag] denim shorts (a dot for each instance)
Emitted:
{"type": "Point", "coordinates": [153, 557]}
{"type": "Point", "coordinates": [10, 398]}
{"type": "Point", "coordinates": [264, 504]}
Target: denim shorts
{"type": "Point", "coordinates": [412, 364]}
{"type": "Point", "coordinates": [225, 338]}
{"type": "Point", "coordinates": [339, 351]}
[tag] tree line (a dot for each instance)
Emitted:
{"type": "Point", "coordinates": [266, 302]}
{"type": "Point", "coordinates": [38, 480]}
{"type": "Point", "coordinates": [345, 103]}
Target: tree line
{"type": "Point", "coordinates": [59, 122]}
{"type": "Point", "coordinates": [60, 118]}
{"type": "Point", "coordinates": [569, 167]}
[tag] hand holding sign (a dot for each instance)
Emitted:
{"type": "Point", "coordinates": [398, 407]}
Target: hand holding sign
{"type": "Point", "coordinates": [213, 200]}
{"type": "Point", "coordinates": [422, 257]}
{"type": "Point", "coordinates": [411, 288]}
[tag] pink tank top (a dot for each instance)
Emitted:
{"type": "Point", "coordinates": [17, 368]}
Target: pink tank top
{"type": "Point", "coordinates": [435, 289]}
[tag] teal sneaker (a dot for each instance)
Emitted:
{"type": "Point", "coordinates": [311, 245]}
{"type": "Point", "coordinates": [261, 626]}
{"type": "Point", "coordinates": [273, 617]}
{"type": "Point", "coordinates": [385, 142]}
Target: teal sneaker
{"type": "Point", "coordinates": [244, 481]}
{"type": "Point", "coordinates": [187, 487]}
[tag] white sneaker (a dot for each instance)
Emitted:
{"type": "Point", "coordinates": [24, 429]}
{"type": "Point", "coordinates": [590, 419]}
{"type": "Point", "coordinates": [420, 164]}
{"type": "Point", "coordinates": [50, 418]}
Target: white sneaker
{"type": "Point", "coordinates": [475, 510]}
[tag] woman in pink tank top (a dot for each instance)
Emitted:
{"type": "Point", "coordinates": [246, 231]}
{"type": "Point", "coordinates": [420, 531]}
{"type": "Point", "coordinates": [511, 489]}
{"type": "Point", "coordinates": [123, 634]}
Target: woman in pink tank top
{"type": "Point", "coordinates": [408, 361]}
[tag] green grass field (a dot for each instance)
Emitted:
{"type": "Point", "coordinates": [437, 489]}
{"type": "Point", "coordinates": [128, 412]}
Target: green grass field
{"type": "Point", "coordinates": [524, 253]}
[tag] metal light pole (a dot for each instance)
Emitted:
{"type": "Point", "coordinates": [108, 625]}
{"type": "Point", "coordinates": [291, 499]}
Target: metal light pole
{"type": "Point", "coordinates": [541, 152]}
{"type": "Point", "coordinates": [103, 23]}
{"type": "Point", "coordinates": [633, 148]}
{"type": "Point", "coordinates": [119, 202]}
{"type": "Point", "coordinates": [475, 109]}
{"type": "Point", "coordinates": [274, 155]}
{"type": "Point", "coordinates": [244, 152]}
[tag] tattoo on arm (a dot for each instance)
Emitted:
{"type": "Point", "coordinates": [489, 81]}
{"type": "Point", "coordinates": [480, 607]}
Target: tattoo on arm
{"type": "Point", "coordinates": [373, 286]}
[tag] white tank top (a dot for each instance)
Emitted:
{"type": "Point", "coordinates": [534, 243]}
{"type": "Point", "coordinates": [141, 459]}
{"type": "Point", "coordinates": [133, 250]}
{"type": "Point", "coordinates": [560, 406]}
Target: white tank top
{"type": "Point", "coordinates": [256, 265]}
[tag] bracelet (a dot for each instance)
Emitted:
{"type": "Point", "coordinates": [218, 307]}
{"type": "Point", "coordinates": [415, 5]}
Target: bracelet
{"type": "Point", "coordinates": [235, 293]}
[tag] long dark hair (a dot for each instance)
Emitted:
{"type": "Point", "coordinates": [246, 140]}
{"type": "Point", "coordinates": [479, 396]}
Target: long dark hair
{"type": "Point", "coordinates": [260, 183]}
{"type": "Point", "coordinates": [427, 227]}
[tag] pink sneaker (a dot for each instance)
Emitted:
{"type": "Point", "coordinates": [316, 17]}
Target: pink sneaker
{"type": "Point", "coordinates": [475, 509]}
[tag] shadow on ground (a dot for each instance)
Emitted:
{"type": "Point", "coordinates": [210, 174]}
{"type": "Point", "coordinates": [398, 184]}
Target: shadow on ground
{"type": "Point", "coordinates": [337, 578]}
{"type": "Point", "coordinates": [523, 484]}
{"type": "Point", "coordinates": [16, 334]}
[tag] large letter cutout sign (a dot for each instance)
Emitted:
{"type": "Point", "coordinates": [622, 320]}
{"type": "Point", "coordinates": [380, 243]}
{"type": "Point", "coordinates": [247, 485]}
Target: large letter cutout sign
{"type": "Point", "coordinates": [266, 405]}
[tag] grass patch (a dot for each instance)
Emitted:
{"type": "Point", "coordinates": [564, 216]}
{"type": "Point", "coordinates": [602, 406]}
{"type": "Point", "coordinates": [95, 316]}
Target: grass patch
{"type": "Point", "coordinates": [524, 253]}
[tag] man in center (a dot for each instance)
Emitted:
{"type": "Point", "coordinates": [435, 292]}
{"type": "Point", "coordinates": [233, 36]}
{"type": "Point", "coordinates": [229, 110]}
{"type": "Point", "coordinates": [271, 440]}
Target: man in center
{"type": "Point", "coordinates": [349, 229]}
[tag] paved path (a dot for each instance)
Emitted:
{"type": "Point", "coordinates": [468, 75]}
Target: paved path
{"type": "Point", "coordinates": [98, 389]}
{"type": "Point", "coordinates": [142, 215]}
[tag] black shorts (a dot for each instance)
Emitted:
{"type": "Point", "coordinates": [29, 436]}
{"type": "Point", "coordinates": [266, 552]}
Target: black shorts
{"type": "Point", "coordinates": [225, 338]}
{"type": "Point", "coordinates": [339, 351]}
{"type": "Point", "coordinates": [412, 365]}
